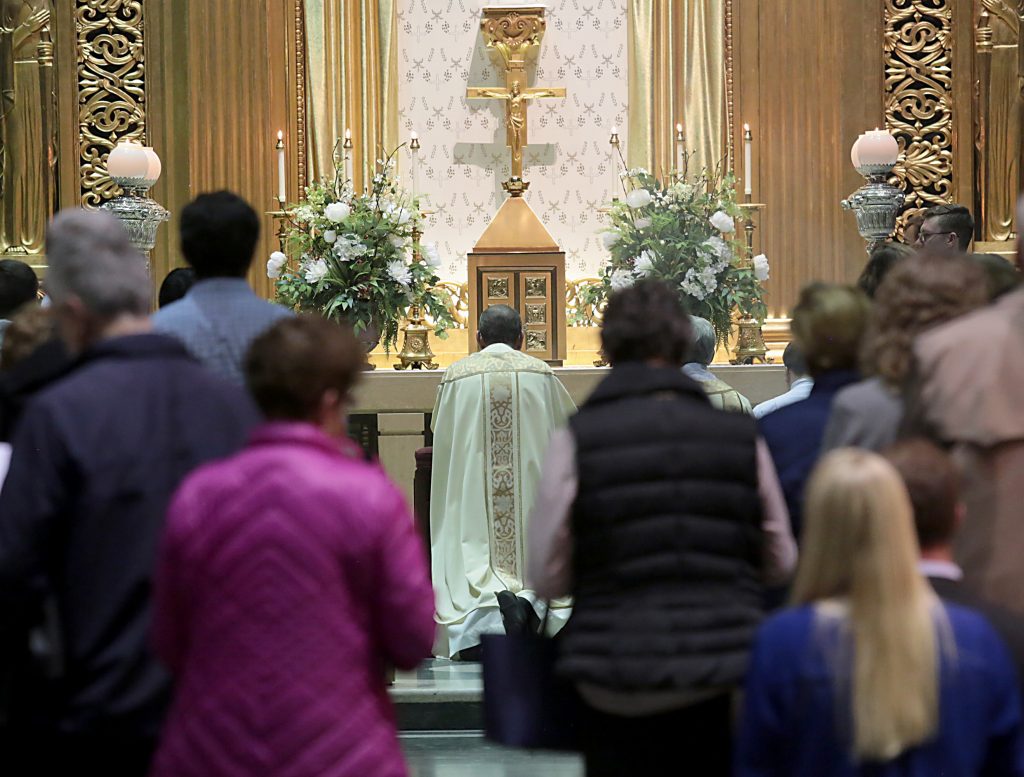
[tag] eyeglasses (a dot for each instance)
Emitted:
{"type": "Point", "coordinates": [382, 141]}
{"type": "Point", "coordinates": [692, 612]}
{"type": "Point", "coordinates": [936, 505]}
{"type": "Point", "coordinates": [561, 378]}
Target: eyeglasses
{"type": "Point", "coordinates": [922, 236]}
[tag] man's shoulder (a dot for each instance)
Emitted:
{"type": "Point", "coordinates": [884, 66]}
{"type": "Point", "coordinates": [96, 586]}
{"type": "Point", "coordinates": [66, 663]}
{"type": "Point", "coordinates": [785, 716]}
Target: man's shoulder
{"type": "Point", "coordinates": [483, 363]}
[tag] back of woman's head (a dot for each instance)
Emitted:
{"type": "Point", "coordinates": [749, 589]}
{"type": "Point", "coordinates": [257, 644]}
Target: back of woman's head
{"type": "Point", "coordinates": [828, 324]}
{"type": "Point", "coordinates": [919, 293]}
{"type": "Point", "coordinates": [645, 322]}
{"type": "Point", "coordinates": [31, 326]}
{"type": "Point", "coordinates": [859, 547]}
{"type": "Point", "coordinates": [883, 258]}
{"type": "Point", "coordinates": [292, 365]}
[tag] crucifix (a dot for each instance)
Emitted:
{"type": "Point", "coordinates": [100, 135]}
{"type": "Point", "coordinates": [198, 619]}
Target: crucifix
{"type": "Point", "coordinates": [513, 34]}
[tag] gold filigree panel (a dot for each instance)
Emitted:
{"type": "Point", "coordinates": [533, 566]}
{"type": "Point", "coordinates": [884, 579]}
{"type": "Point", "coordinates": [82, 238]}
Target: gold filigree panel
{"type": "Point", "coordinates": [111, 88]}
{"type": "Point", "coordinates": [918, 59]}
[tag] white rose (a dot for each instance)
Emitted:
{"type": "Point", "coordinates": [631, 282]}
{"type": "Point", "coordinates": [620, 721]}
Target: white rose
{"type": "Point", "coordinates": [638, 198]}
{"type": "Point", "coordinates": [431, 255]}
{"type": "Point", "coordinates": [400, 273]}
{"type": "Point", "coordinates": [761, 267]}
{"type": "Point", "coordinates": [330, 236]}
{"type": "Point", "coordinates": [620, 279]}
{"type": "Point", "coordinates": [316, 271]}
{"type": "Point", "coordinates": [723, 222]}
{"type": "Point", "coordinates": [610, 238]}
{"type": "Point", "coordinates": [644, 263]}
{"type": "Point", "coordinates": [275, 264]}
{"type": "Point", "coordinates": [337, 211]}
{"type": "Point", "coordinates": [642, 223]}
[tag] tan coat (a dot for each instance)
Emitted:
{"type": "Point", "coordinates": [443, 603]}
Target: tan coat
{"type": "Point", "coordinates": [968, 394]}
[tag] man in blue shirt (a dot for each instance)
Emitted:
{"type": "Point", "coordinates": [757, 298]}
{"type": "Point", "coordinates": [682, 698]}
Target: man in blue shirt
{"type": "Point", "coordinates": [797, 378]}
{"type": "Point", "coordinates": [221, 315]}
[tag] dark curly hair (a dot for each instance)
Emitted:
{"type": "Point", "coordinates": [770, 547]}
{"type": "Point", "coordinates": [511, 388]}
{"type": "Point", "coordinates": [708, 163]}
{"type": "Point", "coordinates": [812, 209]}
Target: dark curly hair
{"type": "Point", "coordinates": [917, 294]}
{"type": "Point", "coordinates": [645, 322]}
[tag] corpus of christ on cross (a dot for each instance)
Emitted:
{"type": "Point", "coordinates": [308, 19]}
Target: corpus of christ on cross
{"type": "Point", "coordinates": [513, 34]}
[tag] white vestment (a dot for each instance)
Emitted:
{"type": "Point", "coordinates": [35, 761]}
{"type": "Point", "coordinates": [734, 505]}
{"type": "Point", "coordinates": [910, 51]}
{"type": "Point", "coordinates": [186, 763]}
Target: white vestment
{"type": "Point", "coordinates": [494, 415]}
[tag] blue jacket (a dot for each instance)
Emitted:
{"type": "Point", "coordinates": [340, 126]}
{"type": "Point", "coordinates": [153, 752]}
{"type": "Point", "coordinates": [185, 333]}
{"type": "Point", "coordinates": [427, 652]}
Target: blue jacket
{"type": "Point", "coordinates": [97, 456]}
{"type": "Point", "coordinates": [789, 726]}
{"type": "Point", "coordinates": [794, 434]}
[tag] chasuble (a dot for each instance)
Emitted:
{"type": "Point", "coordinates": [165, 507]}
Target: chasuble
{"type": "Point", "coordinates": [493, 418]}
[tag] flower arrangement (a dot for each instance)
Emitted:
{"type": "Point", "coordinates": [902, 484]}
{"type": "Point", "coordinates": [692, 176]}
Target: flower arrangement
{"type": "Point", "coordinates": [683, 232]}
{"type": "Point", "coordinates": [357, 258]}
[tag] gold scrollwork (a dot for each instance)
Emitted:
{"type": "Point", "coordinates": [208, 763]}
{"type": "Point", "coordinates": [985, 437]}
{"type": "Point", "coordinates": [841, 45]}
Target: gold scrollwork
{"type": "Point", "coordinates": [512, 34]}
{"type": "Point", "coordinates": [111, 88]}
{"type": "Point", "coordinates": [457, 296]}
{"type": "Point", "coordinates": [576, 309]}
{"type": "Point", "coordinates": [918, 61]}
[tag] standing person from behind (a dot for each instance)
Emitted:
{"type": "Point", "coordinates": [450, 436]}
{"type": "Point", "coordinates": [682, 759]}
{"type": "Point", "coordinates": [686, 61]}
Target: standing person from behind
{"type": "Point", "coordinates": [96, 457]}
{"type": "Point", "coordinates": [220, 315]}
{"type": "Point", "coordinates": [289, 576]}
{"type": "Point", "coordinates": [662, 516]}
{"type": "Point", "coordinates": [18, 286]}
{"type": "Point", "coordinates": [798, 380]}
{"type": "Point", "coordinates": [869, 674]}
{"type": "Point", "coordinates": [493, 418]}
{"type": "Point", "coordinates": [947, 230]}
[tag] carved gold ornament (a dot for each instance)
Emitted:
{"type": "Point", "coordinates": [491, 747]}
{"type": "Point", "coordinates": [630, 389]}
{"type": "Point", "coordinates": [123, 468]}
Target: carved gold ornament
{"type": "Point", "coordinates": [917, 54]}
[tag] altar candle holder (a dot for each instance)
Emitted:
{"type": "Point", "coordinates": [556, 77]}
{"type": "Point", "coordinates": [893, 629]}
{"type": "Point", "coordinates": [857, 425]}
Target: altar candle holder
{"type": "Point", "coordinates": [613, 141]}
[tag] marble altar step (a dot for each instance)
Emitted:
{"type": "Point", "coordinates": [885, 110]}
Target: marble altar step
{"type": "Point", "coordinates": [440, 695]}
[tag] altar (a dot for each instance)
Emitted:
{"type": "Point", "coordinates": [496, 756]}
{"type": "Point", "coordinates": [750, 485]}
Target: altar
{"type": "Point", "coordinates": [391, 410]}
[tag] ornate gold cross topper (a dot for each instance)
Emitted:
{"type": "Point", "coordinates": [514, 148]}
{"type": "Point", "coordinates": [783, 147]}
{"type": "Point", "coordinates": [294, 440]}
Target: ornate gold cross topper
{"type": "Point", "coordinates": [514, 32]}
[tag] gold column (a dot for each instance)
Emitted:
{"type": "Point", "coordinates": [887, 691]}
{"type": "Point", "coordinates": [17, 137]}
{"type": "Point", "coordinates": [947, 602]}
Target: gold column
{"type": "Point", "coordinates": [351, 63]}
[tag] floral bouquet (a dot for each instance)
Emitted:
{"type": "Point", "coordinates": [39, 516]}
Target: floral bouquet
{"type": "Point", "coordinates": [683, 233]}
{"type": "Point", "coordinates": [357, 258]}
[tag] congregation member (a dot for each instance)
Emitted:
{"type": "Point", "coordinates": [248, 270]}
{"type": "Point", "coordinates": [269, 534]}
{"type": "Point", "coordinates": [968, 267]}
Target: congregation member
{"type": "Point", "coordinates": [828, 324]}
{"type": "Point", "coordinates": [947, 230]}
{"type": "Point", "coordinates": [33, 357]}
{"type": "Point", "coordinates": [319, 581]}
{"type": "Point", "coordinates": [175, 286]}
{"type": "Point", "coordinates": [220, 316]}
{"type": "Point", "coordinates": [96, 457]}
{"type": "Point", "coordinates": [494, 415]}
{"type": "Point", "coordinates": [965, 395]}
{"type": "Point", "coordinates": [18, 286]}
{"type": "Point", "coordinates": [868, 673]}
{"type": "Point", "coordinates": [662, 516]}
{"type": "Point", "coordinates": [920, 293]}
{"type": "Point", "coordinates": [933, 484]}
{"type": "Point", "coordinates": [1001, 276]}
{"type": "Point", "coordinates": [883, 258]}
{"type": "Point", "coordinates": [798, 381]}
{"type": "Point", "coordinates": [703, 345]}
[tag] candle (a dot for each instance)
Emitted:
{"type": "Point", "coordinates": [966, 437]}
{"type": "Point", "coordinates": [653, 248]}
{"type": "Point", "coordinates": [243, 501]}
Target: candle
{"type": "Point", "coordinates": [614, 163]}
{"type": "Point", "coordinates": [748, 161]}
{"type": "Point", "coordinates": [680, 149]}
{"type": "Point", "coordinates": [347, 146]}
{"type": "Point", "coordinates": [414, 161]}
{"type": "Point", "coordinates": [282, 194]}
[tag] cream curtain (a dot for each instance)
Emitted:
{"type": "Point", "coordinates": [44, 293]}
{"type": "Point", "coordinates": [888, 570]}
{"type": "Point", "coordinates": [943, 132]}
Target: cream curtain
{"type": "Point", "coordinates": [676, 74]}
{"type": "Point", "coordinates": [352, 66]}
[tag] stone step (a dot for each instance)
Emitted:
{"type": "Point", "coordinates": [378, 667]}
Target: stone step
{"type": "Point", "coordinates": [441, 695]}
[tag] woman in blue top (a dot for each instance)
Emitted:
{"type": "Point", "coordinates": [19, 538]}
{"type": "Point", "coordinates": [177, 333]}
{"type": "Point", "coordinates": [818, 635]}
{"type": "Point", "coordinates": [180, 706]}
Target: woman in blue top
{"type": "Point", "coordinates": [869, 674]}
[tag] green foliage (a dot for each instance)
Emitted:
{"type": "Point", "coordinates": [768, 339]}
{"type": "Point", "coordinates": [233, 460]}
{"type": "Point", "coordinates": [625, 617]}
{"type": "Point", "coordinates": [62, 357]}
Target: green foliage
{"type": "Point", "coordinates": [682, 232]}
{"type": "Point", "coordinates": [356, 258]}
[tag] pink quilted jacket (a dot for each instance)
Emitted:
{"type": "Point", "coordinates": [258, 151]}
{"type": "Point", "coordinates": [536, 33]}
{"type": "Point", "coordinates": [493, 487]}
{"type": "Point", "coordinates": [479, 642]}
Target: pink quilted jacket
{"type": "Point", "coordinates": [290, 575]}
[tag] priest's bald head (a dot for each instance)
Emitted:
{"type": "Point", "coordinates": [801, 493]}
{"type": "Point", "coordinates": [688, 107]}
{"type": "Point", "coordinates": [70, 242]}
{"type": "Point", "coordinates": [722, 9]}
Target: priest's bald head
{"type": "Point", "coordinates": [500, 324]}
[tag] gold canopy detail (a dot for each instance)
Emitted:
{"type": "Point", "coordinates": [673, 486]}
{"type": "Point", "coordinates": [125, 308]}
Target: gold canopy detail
{"type": "Point", "coordinates": [516, 229]}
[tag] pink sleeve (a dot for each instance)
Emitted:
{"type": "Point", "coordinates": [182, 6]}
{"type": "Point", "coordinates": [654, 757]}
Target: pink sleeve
{"type": "Point", "coordinates": [169, 635]}
{"type": "Point", "coordinates": [779, 546]}
{"type": "Point", "coordinates": [549, 562]}
{"type": "Point", "coordinates": [404, 614]}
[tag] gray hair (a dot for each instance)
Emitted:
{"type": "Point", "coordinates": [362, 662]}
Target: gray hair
{"type": "Point", "coordinates": [90, 257]}
{"type": "Point", "coordinates": [703, 342]}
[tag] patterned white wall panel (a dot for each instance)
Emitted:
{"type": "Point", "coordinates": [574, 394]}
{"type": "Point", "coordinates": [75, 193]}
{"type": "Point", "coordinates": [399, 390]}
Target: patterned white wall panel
{"type": "Point", "coordinates": [464, 158]}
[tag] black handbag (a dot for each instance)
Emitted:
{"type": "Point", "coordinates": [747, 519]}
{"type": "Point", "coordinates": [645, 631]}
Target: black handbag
{"type": "Point", "coordinates": [526, 705]}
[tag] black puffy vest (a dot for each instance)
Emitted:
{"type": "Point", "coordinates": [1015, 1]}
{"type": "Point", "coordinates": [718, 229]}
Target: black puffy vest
{"type": "Point", "coordinates": [667, 537]}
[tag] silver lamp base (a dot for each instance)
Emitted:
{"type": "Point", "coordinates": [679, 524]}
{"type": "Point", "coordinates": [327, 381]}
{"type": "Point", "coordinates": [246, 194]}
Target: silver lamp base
{"type": "Point", "coordinates": [140, 215]}
{"type": "Point", "coordinates": [876, 204]}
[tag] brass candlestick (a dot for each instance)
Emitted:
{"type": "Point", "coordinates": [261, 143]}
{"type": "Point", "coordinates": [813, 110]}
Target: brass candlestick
{"type": "Point", "coordinates": [416, 353]}
{"type": "Point", "coordinates": [281, 217]}
{"type": "Point", "coordinates": [750, 345]}
{"type": "Point", "coordinates": [613, 141]}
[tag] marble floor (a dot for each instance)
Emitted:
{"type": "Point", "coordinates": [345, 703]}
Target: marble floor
{"type": "Point", "coordinates": [468, 754]}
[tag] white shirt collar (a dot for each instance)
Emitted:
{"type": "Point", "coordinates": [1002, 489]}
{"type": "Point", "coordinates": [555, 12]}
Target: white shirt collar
{"type": "Point", "coordinates": [943, 570]}
{"type": "Point", "coordinates": [498, 348]}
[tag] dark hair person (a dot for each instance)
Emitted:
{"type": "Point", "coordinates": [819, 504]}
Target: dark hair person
{"type": "Point", "coordinates": [828, 324]}
{"type": "Point", "coordinates": [658, 638]}
{"type": "Point", "coordinates": [947, 230]}
{"type": "Point", "coordinates": [883, 258]}
{"type": "Point", "coordinates": [175, 285]}
{"type": "Point", "coordinates": [318, 581]}
{"type": "Point", "coordinates": [920, 293]}
{"type": "Point", "coordinates": [868, 673]}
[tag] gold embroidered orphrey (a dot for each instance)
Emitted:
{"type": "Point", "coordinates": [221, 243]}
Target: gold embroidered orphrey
{"type": "Point", "coordinates": [502, 487]}
{"type": "Point", "coordinates": [514, 32]}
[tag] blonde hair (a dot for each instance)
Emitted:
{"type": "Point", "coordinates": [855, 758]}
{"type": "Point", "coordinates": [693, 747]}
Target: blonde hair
{"type": "Point", "coordinates": [859, 547]}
